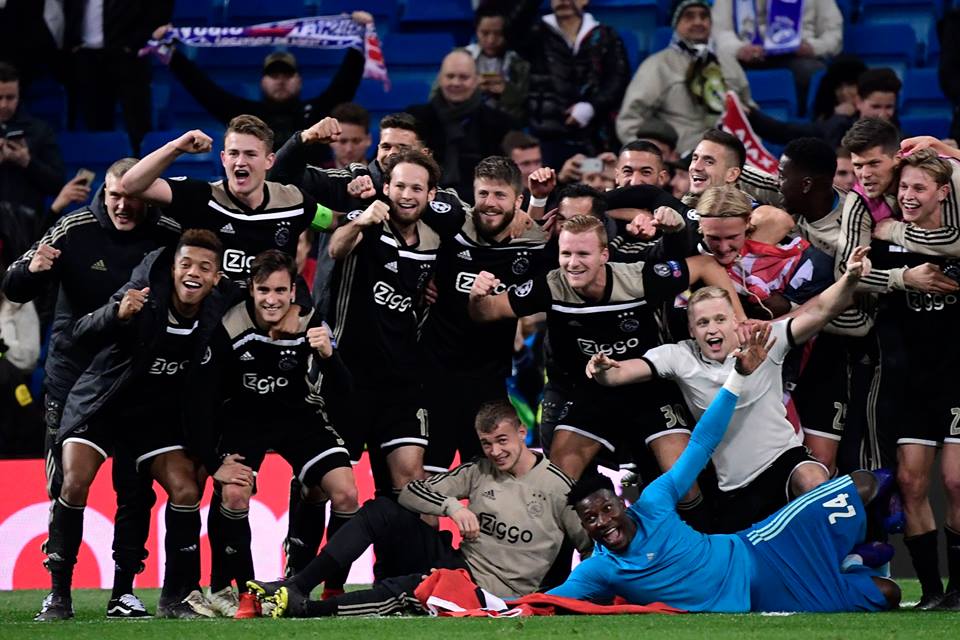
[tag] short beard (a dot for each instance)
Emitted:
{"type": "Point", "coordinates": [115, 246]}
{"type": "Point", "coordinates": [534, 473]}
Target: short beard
{"type": "Point", "coordinates": [487, 232]}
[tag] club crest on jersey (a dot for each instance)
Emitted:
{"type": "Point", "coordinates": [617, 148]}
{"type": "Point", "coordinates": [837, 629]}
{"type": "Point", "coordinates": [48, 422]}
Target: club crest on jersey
{"type": "Point", "coordinates": [440, 207]}
{"type": "Point", "coordinates": [282, 235]}
{"type": "Point", "coordinates": [288, 360]}
{"type": "Point", "coordinates": [692, 214]}
{"type": "Point", "coordinates": [628, 323]}
{"type": "Point", "coordinates": [535, 507]}
{"type": "Point", "coordinates": [523, 290]}
{"type": "Point", "coordinates": [521, 264]}
{"type": "Point", "coordinates": [207, 354]}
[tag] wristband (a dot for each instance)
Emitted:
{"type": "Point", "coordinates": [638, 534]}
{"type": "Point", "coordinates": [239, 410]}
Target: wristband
{"type": "Point", "coordinates": [538, 202]}
{"type": "Point", "coordinates": [734, 383]}
{"type": "Point", "coordinates": [322, 219]}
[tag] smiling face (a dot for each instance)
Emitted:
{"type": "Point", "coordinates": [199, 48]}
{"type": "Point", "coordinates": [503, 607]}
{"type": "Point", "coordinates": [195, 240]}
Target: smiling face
{"type": "Point", "coordinates": [724, 237]}
{"type": "Point", "coordinates": [583, 260]}
{"type": "Point", "coordinates": [604, 517]}
{"type": "Point", "coordinates": [458, 77]}
{"type": "Point", "coordinates": [714, 327]}
{"type": "Point", "coordinates": [694, 25]}
{"type": "Point", "coordinates": [196, 271]}
{"type": "Point", "coordinates": [640, 167]}
{"type": "Point", "coordinates": [272, 297]}
{"type": "Point", "coordinates": [125, 212]}
{"type": "Point", "coordinates": [409, 193]}
{"type": "Point", "coordinates": [496, 204]}
{"type": "Point", "coordinates": [711, 165]}
{"type": "Point", "coordinates": [920, 197]}
{"type": "Point", "coordinates": [246, 160]}
{"type": "Point", "coordinates": [504, 446]}
{"type": "Point", "coordinates": [874, 170]}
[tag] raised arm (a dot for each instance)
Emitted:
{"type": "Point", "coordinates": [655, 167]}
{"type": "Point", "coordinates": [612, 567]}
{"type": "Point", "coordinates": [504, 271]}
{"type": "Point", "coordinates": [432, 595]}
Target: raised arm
{"type": "Point", "coordinates": [143, 179]}
{"type": "Point", "coordinates": [707, 270]}
{"type": "Point", "coordinates": [346, 238]}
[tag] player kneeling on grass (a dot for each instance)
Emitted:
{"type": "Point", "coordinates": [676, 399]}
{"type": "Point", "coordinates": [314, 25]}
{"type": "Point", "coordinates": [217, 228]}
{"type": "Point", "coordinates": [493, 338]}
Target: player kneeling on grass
{"type": "Point", "coordinates": [512, 529]}
{"type": "Point", "coordinates": [129, 400]}
{"type": "Point", "coordinates": [789, 562]}
{"type": "Point", "coordinates": [269, 387]}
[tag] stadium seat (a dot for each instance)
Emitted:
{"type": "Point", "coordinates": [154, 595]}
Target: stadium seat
{"type": "Point", "coordinates": [385, 12]}
{"type": "Point", "coordinates": [925, 126]}
{"type": "Point", "coordinates": [812, 90]}
{"type": "Point", "coordinates": [775, 91]}
{"type": "Point", "coordinates": [47, 99]}
{"type": "Point", "coordinates": [632, 44]}
{"type": "Point", "coordinates": [416, 56]}
{"type": "Point", "coordinates": [94, 150]}
{"type": "Point", "coordinates": [454, 17]}
{"type": "Point", "coordinates": [203, 166]}
{"type": "Point", "coordinates": [918, 14]}
{"type": "Point", "coordinates": [402, 94]}
{"type": "Point", "coordinates": [184, 112]}
{"type": "Point", "coordinates": [638, 15]}
{"type": "Point", "coordinates": [188, 14]}
{"type": "Point", "coordinates": [883, 45]}
{"type": "Point", "coordinates": [661, 39]}
{"type": "Point", "coordinates": [933, 46]}
{"type": "Point", "coordinates": [921, 95]}
{"type": "Point", "coordinates": [246, 12]}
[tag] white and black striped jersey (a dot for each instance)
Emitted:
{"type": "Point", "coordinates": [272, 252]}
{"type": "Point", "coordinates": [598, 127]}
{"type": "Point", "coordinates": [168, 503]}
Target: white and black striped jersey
{"type": "Point", "coordinates": [622, 324]}
{"type": "Point", "coordinates": [450, 339]}
{"type": "Point", "coordinates": [377, 302]}
{"type": "Point", "coordinates": [824, 233]}
{"type": "Point", "coordinates": [276, 224]}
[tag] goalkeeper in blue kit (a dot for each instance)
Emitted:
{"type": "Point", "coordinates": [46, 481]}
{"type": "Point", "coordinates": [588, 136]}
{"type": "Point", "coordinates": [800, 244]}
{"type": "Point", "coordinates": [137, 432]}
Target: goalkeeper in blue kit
{"type": "Point", "coordinates": [790, 561]}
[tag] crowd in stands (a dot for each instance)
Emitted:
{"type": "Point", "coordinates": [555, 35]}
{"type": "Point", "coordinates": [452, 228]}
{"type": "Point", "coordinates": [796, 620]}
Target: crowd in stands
{"type": "Point", "coordinates": [545, 194]}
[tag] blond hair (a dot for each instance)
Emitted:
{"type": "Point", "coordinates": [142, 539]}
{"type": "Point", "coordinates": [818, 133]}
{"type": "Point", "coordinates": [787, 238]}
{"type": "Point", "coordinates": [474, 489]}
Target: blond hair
{"type": "Point", "coordinates": [724, 202]}
{"type": "Point", "coordinates": [928, 161]}
{"type": "Point", "coordinates": [709, 293]}
{"type": "Point", "coordinates": [586, 224]}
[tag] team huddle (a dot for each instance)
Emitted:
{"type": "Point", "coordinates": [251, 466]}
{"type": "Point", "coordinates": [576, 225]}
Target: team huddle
{"type": "Point", "coordinates": [674, 330]}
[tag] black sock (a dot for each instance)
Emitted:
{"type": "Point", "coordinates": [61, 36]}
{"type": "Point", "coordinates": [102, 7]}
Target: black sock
{"type": "Point", "coordinates": [236, 534]}
{"type": "Point", "coordinates": [923, 553]}
{"type": "Point", "coordinates": [220, 576]}
{"type": "Point", "coordinates": [66, 534]}
{"type": "Point", "coordinates": [696, 513]}
{"type": "Point", "coordinates": [953, 558]}
{"type": "Point", "coordinates": [319, 569]}
{"type": "Point", "coordinates": [182, 547]}
{"type": "Point", "coordinates": [337, 579]}
{"type": "Point", "coordinates": [305, 534]}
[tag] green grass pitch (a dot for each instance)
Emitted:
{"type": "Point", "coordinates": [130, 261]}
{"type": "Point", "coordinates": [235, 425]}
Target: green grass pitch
{"type": "Point", "coordinates": [18, 607]}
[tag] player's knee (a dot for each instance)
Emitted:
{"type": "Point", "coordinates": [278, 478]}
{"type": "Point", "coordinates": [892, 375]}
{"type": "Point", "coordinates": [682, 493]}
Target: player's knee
{"type": "Point", "coordinates": [183, 491]}
{"type": "Point", "coordinates": [913, 483]}
{"type": "Point", "coordinates": [344, 498]}
{"type": "Point", "coordinates": [890, 591]}
{"type": "Point", "coordinates": [867, 485]}
{"type": "Point", "coordinates": [74, 489]}
{"type": "Point", "coordinates": [951, 484]}
{"type": "Point", "coordinates": [235, 498]}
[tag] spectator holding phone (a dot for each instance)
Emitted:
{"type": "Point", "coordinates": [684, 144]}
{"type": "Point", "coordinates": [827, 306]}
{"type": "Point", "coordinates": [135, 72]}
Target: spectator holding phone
{"type": "Point", "coordinates": [504, 75]}
{"type": "Point", "coordinates": [30, 163]}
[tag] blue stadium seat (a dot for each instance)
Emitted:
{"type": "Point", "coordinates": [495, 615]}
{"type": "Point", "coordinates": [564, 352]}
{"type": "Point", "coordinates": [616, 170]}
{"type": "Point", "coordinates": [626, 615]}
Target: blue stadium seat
{"type": "Point", "coordinates": [775, 91]}
{"type": "Point", "coordinates": [47, 100]}
{"type": "Point", "coordinates": [918, 14]}
{"type": "Point", "coordinates": [201, 12]}
{"type": "Point", "coordinates": [416, 56]}
{"type": "Point", "coordinates": [921, 95]}
{"type": "Point", "coordinates": [661, 39]}
{"type": "Point", "coordinates": [94, 150]}
{"type": "Point", "coordinates": [883, 45]}
{"type": "Point", "coordinates": [385, 13]}
{"type": "Point", "coordinates": [402, 94]}
{"type": "Point", "coordinates": [925, 126]}
{"type": "Point", "coordinates": [246, 12]}
{"type": "Point", "coordinates": [203, 166]}
{"type": "Point", "coordinates": [638, 15]}
{"type": "Point", "coordinates": [632, 44]}
{"type": "Point", "coordinates": [232, 64]}
{"type": "Point", "coordinates": [454, 17]}
{"type": "Point", "coordinates": [814, 87]}
{"type": "Point", "coordinates": [933, 46]}
{"type": "Point", "coordinates": [185, 113]}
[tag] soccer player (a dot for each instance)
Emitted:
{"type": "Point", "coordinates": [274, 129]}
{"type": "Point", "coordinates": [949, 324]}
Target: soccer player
{"type": "Point", "coordinates": [641, 162]}
{"type": "Point", "coordinates": [386, 255]}
{"type": "Point", "coordinates": [148, 333]}
{"type": "Point", "coordinates": [761, 462]}
{"type": "Point", "coordinates": [271, 392]}
{"type": "Point", "coordinates": [919, 376]}
{"type": "Point", "coordinates": [789, 562]}
{"type": "Point", "coordinates": [89, 254]}
{"type": "Point", "coordinates": [598, 307]}
{"type": "Point", "coordinates": [512, 528]}
{"type": "Point", "coordinates": [720, 158]}
{"type": "Point", "coordinates": [464, 365]}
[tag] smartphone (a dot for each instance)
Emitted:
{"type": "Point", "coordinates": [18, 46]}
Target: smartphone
{"type": "Point", "coordinates": [14, 134]}
{"type": "Point", "coordinates": [86, 176]}
{"type": "Point", "coordinates": [591, 165]}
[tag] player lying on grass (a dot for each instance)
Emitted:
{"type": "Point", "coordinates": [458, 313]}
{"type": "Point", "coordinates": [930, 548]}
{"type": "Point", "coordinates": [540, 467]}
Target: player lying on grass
{"type": "Point", "coordinates": [789, 562]}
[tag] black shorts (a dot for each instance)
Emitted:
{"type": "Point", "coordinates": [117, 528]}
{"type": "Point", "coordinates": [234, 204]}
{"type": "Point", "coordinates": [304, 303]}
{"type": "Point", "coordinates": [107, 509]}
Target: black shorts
{"type": "Point", "coordinates": [821, 394]}
{"type": "Point", "coordinates": [554, 409]}
{"type": "Point", "coordinates": [304, 438]}
{"type": "Point", "coordinates": [738, 509]}
{"type": "Point", "coordinates": [928, 407]}
{"type": "Point", "coordinates": [383, 419]}
{"type": "Point", "coordinates": [452, 403]}
{"type": "Point", "coordinates": [625, 416]}
{"type": "Point", "coordinates": [140, 437]}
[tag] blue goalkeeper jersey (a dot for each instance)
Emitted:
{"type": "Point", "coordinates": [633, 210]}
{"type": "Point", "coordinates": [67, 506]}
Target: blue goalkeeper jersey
{"type": "Point", "coordinates": [667, 561]}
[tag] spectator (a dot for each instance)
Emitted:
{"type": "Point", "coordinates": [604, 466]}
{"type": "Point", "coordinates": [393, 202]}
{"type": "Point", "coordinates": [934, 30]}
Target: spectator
{"type": "Point", "coordinates": [740, 29]}
{"type": "Point", "coordinates": [31, 34]}
{"type": "Point", "coordinates": [20, 432]}
{"type": "Point", "coordinates": [844, 178]}
{"type": "Point", "coordinates": [354, 140]}
{"type": "Point", "coordinates": [661, 134]}
{"type": "Point", "coordinates": [30, 164]}
{"type": "Point", "coordinates": [578, 72]}
{"type": "Point", "coordinates": [458, 127]}
{"type": "Point", "coordinates": [684, 84]}
{"type": "Point", "coordinates": [281, 106]}
{"type": "Point", "coordinates": [103, 39]}
{"type": "Point", "coordinates": [837, 91]}
{"type": "Point", "coordinates": [877, 93]}
{"type": "Point", "coordinates": [949, 30]}
{"type": "Point", "coordinates": [504, 75]}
